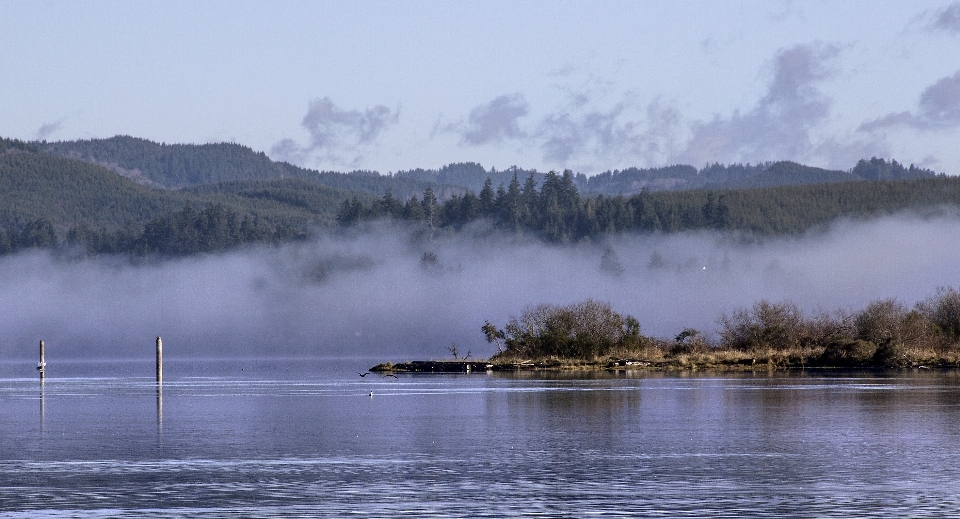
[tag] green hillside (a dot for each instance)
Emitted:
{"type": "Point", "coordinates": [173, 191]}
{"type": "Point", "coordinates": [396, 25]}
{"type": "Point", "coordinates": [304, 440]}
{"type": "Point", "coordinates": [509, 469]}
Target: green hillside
{"type": "Point", "coordinates": [287, 200]}
{"type": "Point", "coordinates": [174, 165]}
{"type": "Point", "coordinates": [789, 174]}
{"type": "Point", "coordinates": [177, 166]}
{"type": "Point", "coordinates": [557, 212]}
{"type": "Point", "coordinates": [34, 185]}
{"type": "Point", "coordinates": [47, 200]}
{"type": "Point", "coordinates": [50, 201]}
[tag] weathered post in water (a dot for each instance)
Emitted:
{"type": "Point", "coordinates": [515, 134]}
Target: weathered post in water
{"type": "Point", "coordinates": [159, 360]}
{"type": "Point", "coordinates": [42, 365]}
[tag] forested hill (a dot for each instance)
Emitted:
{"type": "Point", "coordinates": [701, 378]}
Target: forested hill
{"type": "Point", "coordinates": [741, 176]}
{"type": "Point", "coordinates": [556, 212]}
{"type": "Point", "coordinates": [174, 165]}
{"type": "Point", "coordinates": [47, 200]}
{"type": "Point", "coordinates": [178, 166]}
{"type": "Point", "coordinates": [35, 185]}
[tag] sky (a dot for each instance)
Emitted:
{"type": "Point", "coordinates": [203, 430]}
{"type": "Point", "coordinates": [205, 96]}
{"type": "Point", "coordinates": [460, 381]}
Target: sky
{"type": "Point", "coordinates": [586, 86]}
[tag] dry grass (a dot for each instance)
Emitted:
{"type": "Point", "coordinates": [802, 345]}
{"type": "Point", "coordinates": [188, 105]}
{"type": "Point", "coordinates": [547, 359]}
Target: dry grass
{"type": "Point", "coordinates": [663, 358]}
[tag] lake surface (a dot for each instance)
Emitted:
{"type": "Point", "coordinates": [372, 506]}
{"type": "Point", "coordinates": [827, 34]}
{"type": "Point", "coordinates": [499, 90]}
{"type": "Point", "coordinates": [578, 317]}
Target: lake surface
{"type": "Point", "coordinates": [303, 437]}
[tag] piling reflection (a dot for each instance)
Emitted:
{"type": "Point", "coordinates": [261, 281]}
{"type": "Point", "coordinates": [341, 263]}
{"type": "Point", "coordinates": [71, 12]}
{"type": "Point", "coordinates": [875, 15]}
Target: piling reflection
{"type": "Point", "coordinates": [159, 409]}
{"type": "Point", "coordinates": [43, 404]}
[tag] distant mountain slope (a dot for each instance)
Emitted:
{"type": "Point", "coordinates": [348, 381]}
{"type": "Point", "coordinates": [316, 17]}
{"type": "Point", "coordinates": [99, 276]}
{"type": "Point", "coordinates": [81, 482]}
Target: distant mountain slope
{"type": "Point", "coordinates": [880, 169]}
{"type": "Point", "coordinates": [284, 199]}
{"type": "Point", "coordinates": [178, 166]}
{"type": "Point", "coordinates": [473, 176]}
{"type": "Point", "coordinates": [788, 174]}
{"type": "Point", "coordinates": [46, 198]}
{"type": "Point", "coordinates": [634, 180]}
{"type": "Point", "coordinates": [373, 183]}
{"type": "Point", "coordinates": [35, 185]}
{"type": "Point", "coordinates": [69, 192]}
{"type": "Point", "coordinates": [743, 176]}
{"type": "Point", "coordinates": [175, 165]}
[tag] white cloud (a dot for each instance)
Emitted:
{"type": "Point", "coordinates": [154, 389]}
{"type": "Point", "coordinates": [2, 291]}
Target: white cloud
{"type": "Point", "coordinates": [337, 135]}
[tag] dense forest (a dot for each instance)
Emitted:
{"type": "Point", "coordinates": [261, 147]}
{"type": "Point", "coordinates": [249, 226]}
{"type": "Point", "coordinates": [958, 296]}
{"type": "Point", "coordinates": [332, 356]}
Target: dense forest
{"type": "Point", "coordinates": [176, 166]}
{"type": "Point", "coordinates": [48, 202]}
{"type": "Point", "coordinates": [742, 176]}
{"type": "Point", "coordinates": [183, 165]}
{"type": "Point", "coordinates": [128, 195]}
{"type": "Point", "coordinates": [558, 213]}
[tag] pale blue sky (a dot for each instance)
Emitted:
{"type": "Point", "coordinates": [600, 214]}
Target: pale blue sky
{"type": "Point", "coordinates": [589, 86]}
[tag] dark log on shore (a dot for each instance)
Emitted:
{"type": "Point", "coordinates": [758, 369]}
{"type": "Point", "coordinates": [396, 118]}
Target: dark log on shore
{"type": "Point", "coordinates": [435, 366]}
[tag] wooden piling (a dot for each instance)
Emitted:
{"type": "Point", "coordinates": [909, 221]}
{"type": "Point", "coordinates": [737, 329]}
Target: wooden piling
{"type": "Point", "coordinates": [159, 360]}
{"type": "Point", "coordinates": [42, 365]}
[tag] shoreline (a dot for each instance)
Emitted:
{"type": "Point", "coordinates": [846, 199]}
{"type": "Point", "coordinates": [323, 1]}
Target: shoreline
{"type": "Point", "coordinates": [684, 364]}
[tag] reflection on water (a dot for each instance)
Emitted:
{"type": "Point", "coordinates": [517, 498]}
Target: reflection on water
{"type": "Point", "coordinates": [159, 409]}
{"type": "Point", "coordinates": [262, 443]}
{"type": "Point", "coordinates": [43, 403]}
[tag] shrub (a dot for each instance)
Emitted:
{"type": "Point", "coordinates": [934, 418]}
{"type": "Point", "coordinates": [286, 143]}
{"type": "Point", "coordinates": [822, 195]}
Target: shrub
{"type": "Point", "coordinates": [848, 352]}
{"type": "Point", "coordinates": [888, 323]}
{"type": "Point", "coordinates": [766, 325]}
{"type": "Point", "coordinates": [943, 310]}
{"type": "Point", "coordinates": [582, 330]}
{"type": "Point", "coordinates": [689, 341]}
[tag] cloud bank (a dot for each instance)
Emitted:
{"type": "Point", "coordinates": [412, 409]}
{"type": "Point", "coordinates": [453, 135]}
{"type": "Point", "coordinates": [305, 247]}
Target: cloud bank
{"type": "Point", "coordinates": [368, 295]}
{"type": "Point", "coordinates": [779, 126]}
{"type": "Point", "coordinates": [947, 19]}
{"type": "Point", "coordinates": [494, 122]}
{"type": "Point", "coordinates": [786, 123]}
{"type": "Point", "coordinates": [937, 109]}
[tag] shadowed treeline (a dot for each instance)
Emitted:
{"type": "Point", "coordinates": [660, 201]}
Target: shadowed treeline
{"type": "Point", "coordinates": [556, 212]}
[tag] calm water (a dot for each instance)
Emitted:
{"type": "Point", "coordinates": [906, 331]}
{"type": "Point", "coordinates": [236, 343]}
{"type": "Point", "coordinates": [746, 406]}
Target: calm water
{"type": "Point", "coordinates": [289, 438]}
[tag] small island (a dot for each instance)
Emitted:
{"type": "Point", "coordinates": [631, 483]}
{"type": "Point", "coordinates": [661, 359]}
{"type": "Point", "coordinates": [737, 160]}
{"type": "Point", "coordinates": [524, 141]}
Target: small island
{"type": "Point", "coordinates": [590, 335]}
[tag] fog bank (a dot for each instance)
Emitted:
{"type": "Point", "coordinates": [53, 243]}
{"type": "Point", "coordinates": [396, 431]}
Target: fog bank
{"type": "Point", "coordinates": [372, 293]}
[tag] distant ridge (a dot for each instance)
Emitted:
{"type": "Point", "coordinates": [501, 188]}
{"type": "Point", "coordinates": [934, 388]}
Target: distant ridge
{"type": "Point", "coordinates": [189, 201]}
{"type": "Point", "coordinates": [174, 166]}
{"type": "Point", "coordinates": [178, 166]}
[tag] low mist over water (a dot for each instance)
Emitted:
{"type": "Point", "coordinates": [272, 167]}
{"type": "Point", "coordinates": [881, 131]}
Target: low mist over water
{"type": "Point", "coordinates": [375, 292]}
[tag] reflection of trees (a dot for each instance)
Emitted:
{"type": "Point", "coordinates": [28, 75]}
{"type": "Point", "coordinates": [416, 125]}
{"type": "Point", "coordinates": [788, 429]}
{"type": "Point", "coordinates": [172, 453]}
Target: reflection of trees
{"type": "Point", "coordinates": [590, 408]}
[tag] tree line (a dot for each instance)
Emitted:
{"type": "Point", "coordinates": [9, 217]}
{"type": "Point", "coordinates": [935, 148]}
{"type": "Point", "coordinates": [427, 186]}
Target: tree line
{"type": "Point", "coordinates": [557, 212]}
{"type": "Point", "coordinates": [215, 228]}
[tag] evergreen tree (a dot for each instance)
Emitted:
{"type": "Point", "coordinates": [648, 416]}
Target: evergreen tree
{"type": "Point", "coordinates": [430, 208]}
{"type": "Point", "coordinates": [487, 205]}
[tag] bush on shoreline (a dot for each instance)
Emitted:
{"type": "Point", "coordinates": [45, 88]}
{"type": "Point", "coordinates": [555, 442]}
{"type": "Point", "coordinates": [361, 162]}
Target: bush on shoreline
{"type": "Point", "coordinates": [584, 330]}
{"type": "Point", "coordinates": [886, 333]}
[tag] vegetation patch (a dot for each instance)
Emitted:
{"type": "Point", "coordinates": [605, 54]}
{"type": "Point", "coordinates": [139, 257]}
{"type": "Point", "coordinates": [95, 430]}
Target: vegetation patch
{"type": "Point", "coordinates": [591, 335]}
